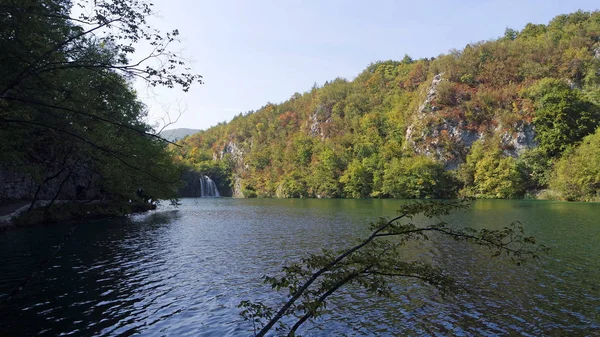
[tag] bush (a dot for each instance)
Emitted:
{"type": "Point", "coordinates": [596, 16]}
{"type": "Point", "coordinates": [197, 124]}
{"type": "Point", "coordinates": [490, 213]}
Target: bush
{"type": "Point", "coordinates": [446, 93]}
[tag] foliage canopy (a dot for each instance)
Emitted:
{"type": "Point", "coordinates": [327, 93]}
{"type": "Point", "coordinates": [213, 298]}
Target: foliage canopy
{"type": "Point", "coordinates": [70, 122]}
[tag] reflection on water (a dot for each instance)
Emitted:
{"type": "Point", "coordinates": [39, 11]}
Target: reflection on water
{"type": "Point", "coordinates": [183, 272]}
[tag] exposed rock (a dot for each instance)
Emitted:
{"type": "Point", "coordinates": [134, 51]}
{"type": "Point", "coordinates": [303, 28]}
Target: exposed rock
{"type": "Point", "coordinates": [16, 185]}
{"type": "Point", "coordinates": [78, 185]}
{"type": "Point", "coordinates": [573, 85]}
{"type": "Point", "coordinates": [447, 142]}
{"type": "Point", "coordinates": [279, 193]}
{"type": "Point", "coordinates": [521, 139]}
{"type": "Point", "coordinates": [237, 155]}
{"type": "Point", "coordinates": [444, 139]}
{"type": "Point", "coordinates": [237, 187]}
{"type": "Point", "coordinates": [321, 116]}
{"type": "Point", "coordinates": [446, 136]}
{"type": "Point", "coordinates": [427, 106]}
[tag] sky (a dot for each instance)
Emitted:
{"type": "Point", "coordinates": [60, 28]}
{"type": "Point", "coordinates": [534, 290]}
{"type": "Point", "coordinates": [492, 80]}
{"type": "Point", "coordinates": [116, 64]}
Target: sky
{"type": "Point", "coordinates": [252, 52]}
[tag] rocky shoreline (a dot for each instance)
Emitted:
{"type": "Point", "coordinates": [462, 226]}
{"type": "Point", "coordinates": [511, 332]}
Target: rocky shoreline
{"type": "Point", "coordinates": [10, 211]}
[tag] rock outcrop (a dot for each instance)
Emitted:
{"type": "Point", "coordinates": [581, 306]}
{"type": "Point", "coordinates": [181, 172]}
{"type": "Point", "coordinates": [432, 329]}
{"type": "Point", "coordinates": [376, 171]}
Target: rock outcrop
{"type": "Point", "coordinates": [445, 135]}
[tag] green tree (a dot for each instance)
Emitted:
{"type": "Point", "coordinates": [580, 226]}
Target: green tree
{"type": "Point", "coordinates": [576, 176]}
{"type": "Point", "coordinates": [357, 180]}
{"type": "Point", "coordinates": [562, 115]}
{"type": "Point", "coordinates": [324, 178]}
{"type": "Point", "coordinates": [489, 89]}
{"type": "Point", "coordinates": [417, 177]}
{"type": "Point", "coordinates": [497, 176]}
{"type": "Point", "coordinates": [488, 173]}
{"type": "Point", "coordinates": [535, 166]}
{"type": "Point", "coordinates": [68, 113]}
{"type": "Point", "coordinates": [510, 34]}
{"type": "Point", "coordinates": [294, 185]}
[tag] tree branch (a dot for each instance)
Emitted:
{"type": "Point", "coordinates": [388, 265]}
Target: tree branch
{"type": "Point", "coordinates": [92, 144]}
{"type": "Point", "coordinates": [31, 102]}
{"type": "Point", "coordinates": [316, 275]}
{"type": "Point", "coordinates": [324, 296]}
{"type": "Point", "coordinates": [30, 68]}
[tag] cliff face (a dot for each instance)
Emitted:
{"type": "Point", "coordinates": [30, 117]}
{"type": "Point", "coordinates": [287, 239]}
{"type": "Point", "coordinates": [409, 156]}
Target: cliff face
{"type": "Point", "coordinates": [352, 138]}
{"type": "Point", "coordinates": [446, 135]}
{"type": "Point", "coordinates": [76, 184]}
{"type": "Point", "coordinates": [236, 156]}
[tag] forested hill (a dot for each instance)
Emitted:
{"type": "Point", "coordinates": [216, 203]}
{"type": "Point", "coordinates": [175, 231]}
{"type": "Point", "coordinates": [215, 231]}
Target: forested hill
{"type": "Point", "coordinates": [501, 118]}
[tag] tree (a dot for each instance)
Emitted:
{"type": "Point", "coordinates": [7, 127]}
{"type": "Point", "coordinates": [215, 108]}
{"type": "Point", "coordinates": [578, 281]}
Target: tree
{"type": "Point", "coordinates": [60, 42]}
{"type": "Point", "coordinates": [68, 113]}
{"type": "Point", "coordinates": [358, 180]}
{"type": "Point", "coordinates": [374, 261]}
{"type": "Point", "coordinates": [576, 176]}
{"type": "Point", "coordinates": [494, 89]}
{"type": "Point", "coordinates": [294, 186]}
{"type": "Point", "coordinates": [535, 166]}
{"type": "Point", "coordinates": [324, 178]}
{"type": "Point", "coordinates": [417, 177]}
{"type": "Point", "coordinates": [488, 173]}
{"type": "Point", "coordinates": [562, 115]}
{"type": "Point", "coordinates": [510, 34]}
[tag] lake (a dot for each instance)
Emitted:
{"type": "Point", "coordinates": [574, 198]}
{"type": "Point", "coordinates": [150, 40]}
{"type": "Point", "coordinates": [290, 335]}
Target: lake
{"type": "Point", "coordinates": [183, 271]}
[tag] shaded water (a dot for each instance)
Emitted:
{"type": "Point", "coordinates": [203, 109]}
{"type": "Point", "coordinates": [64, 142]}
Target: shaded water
{"type": "Point", "coordinates": [183, 271]}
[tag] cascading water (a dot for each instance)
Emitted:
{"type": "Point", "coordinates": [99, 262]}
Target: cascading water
{"type": "Point", "coordinates": [208, 188]}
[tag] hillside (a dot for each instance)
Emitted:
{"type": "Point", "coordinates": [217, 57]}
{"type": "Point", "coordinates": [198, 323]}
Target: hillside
{"type": "Point", "coordinates": [489, 120]}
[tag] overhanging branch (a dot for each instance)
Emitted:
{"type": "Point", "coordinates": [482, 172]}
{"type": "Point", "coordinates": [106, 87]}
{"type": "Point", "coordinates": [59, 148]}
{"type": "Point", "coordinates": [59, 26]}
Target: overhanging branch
{"type": "Point", "coordinates": [32, 102]}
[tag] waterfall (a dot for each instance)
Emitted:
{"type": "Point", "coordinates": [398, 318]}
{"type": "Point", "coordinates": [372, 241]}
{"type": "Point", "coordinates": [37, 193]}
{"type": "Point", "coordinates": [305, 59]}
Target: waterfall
{"type": "Point", "coordinates": [208, 188]}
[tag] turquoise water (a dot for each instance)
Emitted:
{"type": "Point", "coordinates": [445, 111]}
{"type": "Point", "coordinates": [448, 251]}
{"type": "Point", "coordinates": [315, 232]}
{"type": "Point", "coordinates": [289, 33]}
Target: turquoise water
{"type": "Point", "coordinates": [182, 272]}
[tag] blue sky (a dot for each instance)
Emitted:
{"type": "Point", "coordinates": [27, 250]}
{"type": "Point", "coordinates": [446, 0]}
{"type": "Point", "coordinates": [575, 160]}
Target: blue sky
{"type": "Point", "coordinates": [258, 51]}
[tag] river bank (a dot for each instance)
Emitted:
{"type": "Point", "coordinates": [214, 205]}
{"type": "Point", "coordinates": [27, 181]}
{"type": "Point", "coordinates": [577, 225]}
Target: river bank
{"type": "Point", "coordinates": [10, 211]}
{"type": "Point", "coordinates": [19, 214]}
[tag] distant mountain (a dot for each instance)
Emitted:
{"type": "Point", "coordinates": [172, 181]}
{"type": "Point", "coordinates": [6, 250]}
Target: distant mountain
{"type": "Point", "coordinates": [176, 134]}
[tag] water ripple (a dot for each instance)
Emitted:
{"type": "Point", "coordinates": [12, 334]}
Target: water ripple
{"type": "Point", "coordinates": [183, 272]}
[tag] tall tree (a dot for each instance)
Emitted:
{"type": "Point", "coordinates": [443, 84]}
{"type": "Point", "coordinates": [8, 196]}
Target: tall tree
{"type": "Point", "coordinates": [562, 116]}
{"type": "Point", "coordinates": [68, 113]}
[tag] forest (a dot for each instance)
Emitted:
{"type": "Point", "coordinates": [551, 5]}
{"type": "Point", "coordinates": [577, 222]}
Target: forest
{"type": "Point", "coordinates": [512, 117]}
